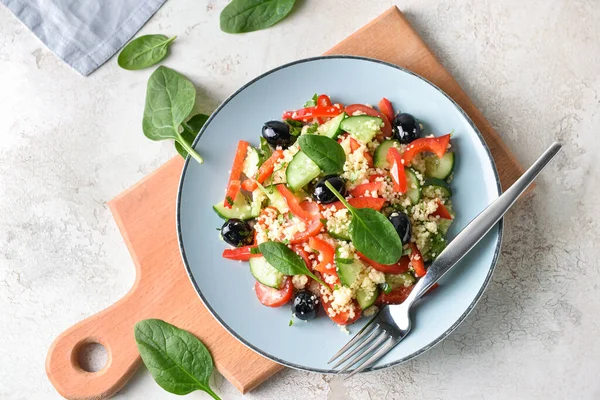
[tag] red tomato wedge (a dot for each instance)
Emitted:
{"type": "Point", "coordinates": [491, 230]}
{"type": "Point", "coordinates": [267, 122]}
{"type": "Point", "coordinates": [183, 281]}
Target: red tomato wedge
{"type": "Point", "coordinates": [264, 171]}
{"type": "Point", "coordinates": [241, 253]}
{"type": "Point", "coordinates": [385, 106]}
{"type": "Point", "coordinates": [399, 268]}
{"type": "Point", "coordinates": [271, 297]}
{"type": "Point", "coordinates": [360, 190]}
{"type": "Point", "coordinates": [299, 249]}
{"type": "Point", "coordinates": [396, 296]}
{"type": "Point", "coordinates": [436, 145]}
{"type": "Point", "coordinates": [344, 317]}
{"type": "Point", "coordinates": [376, 203]}
{"type": "Point", "coordinates": [386, 130]}
{"type": "Point", "coordinates": [442, 211]}
{"type": "Point", "coordinates": [233, 186]}
{"type": "Point", "coordinates": [326, 253]}
{"type": "Point", "coordinates": [416, 260]}
{"type": "Point", "coordinates": [354, 145]}
{"type": "Point", "coordinates": [313, 226]}
{"type": "Point", "coordinates": [293, 203]}
{"type": "Point", "coordinates": [397, 170]}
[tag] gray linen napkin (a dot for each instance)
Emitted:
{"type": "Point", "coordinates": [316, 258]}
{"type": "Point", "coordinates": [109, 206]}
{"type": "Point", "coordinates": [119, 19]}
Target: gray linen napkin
{"type": "Point", "coordinates": [84, 33]}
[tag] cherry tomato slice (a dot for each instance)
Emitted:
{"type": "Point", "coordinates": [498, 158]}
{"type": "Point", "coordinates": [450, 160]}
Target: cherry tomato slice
{"type": "Point", "coordinates": [313, 224]}
{"type": "Point", "coordinates": [396, 296]}
{"type": "Point", "coordinates": [343, 318]}
{"type": "Point", "coordinates": [271, 297]}
{"type": "Point", "coordinates": [442, 211]}
{"type": "Point", "coordinates": [385, 106]}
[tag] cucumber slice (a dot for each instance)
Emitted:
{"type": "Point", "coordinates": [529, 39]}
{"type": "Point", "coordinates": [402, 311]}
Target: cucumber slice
{"type": "Point", "coordinates": [348, 272]}
{"type": "Point", "coordinates": [276, 199]}
{"type": "Point", "coordinates": [380, 156]}
{"type": "Point", "coordinates": [362, 127]}
{"type": "Point", "coordinates": [400, 280]}
{"type": "Point", "coordinates": [440, 168]}
{"type": "Point", "coordinates": [300, 171]}
{"type": "Point", "coordinates": [414, 186]}
{"type": "Point", "coordinates": [251, 162]}
{"type": "Point", "coordinates": [265, 273]}
{"type": "Point", "coordinates": [240, 209]}
{"type": "Point", "coordinates": [434, 187]}
{"type": "Point", "coordinates": [340, 235]}
{"type": "Point", "coordinates": [366, 300]}
{"type": "Point", "coordinates": [332, 128]}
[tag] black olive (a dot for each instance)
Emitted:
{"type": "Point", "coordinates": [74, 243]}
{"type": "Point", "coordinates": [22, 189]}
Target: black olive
{"type": "Point", "coordinates": [402, 225]}
{"type": "Point", "coordinates": [406, 128]}
{"type": "Point", "coordinates": [277, 133]}
{"type": "Point", "coordinates": [237, 232]}
{"type": "Point", "coordinates": [321, 193]}
{"type": "Point", "coordinates": [305, 305]}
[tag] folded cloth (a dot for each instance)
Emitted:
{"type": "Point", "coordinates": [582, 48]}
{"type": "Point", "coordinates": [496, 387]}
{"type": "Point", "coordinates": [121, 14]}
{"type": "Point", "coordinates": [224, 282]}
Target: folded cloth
{"type": "Point", "coordinates": [84, 33]}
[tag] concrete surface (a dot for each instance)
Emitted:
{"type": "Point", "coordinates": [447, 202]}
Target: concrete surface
{"type": "Point", "coordinates": [68, 144]}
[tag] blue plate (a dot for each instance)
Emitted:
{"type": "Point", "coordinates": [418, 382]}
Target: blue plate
{"type": "Point", "coordinates": [226, 287]}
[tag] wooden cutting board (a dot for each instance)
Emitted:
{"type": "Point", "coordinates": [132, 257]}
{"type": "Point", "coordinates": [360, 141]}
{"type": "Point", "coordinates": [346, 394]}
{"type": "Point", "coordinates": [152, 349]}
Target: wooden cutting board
{"type": "Point", "coordinates": [145, 215]}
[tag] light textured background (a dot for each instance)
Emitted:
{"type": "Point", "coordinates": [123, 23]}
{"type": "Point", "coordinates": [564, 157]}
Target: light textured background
{"type": "Point", "coordinates": [68, 144]}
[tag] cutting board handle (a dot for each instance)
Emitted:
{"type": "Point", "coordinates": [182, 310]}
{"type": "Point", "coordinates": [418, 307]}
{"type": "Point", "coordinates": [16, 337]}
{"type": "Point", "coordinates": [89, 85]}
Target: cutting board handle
{"type": "Point", "coordinates": [112, 328]}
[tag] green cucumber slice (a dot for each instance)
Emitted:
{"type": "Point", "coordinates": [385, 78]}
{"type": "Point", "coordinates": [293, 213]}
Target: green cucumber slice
{"type": "Point", "coordinates": [300, 171]}
{"type": "Point", "coordinates": [380, 156]}
{"type": "Point", "coordinates": [440, 168]}
{"type": "Point", "coordinates": [362, 127]}
{"type": "Point", "coordinates": [265, 273]}
{"type": "Point", "coordinates": [240, 209]}
{"type": "Point", "coordinates": [276, 199]}
{"type": "Point", "coordinates": [340, 235]}
{"type": "Point", "coordinates": [400, 280]}
{"type": "Point", "coordinates": [434, 187]}
{"type": "Point", "coordinates": [348, 272]}
{"type": "Point", "coordinates": [414, 186]}
{"type": "Point", "coordinates": [332, 127]}
{"type": "Point", "coordinates": [366, 300]}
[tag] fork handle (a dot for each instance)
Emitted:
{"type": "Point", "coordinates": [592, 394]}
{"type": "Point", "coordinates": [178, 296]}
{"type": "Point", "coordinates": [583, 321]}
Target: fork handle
{"type": "Point", "coordinates": [479, 227]}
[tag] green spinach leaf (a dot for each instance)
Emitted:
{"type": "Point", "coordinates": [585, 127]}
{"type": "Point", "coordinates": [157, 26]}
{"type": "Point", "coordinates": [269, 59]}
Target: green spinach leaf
{"type": "Point", "coordinates": [325, 152]}
{"type": "Point", "coordinates": [241, 16]}
{"type": "Point", "coordinates": [285, 260]}
{"type": "Point", "coordinates": [372, 234]}
{"type": "Point", "coordinates": [144, 51]}
{"type": "Point", "coordinates": [170, 98]}
{"type": "Point", "coordinates": [177, 360]}
{"type": "Point", "coordinates": [191, 128]}
{"type": "Point", "coordinates": [312, 102]}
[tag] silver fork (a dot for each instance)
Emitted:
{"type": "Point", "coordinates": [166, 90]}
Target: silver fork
{"type": "Point", "coordinates": [392, 323]}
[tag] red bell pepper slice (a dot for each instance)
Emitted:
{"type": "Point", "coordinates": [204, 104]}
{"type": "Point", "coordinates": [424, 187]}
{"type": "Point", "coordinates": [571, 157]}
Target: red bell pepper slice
{"type": "Point", "coordinates": [313, 227]}
{"type": "Point", "coordinates": [293, 203]}
{"type": "Point", "coordinates": [386, 130]}
{"type": "Point", "coordinates": [397, 170]}
{"type": "Point", "coordinates": [361, 189]}
{"type": "Point", "coordinates": [312, 112]}
{"type": "Point", "coordinates": [416, 260]}
{"type": "Point", "coordinates": [326, 253]}
{"type": "Point", "coordinates": [299, 249]}
{"type": "Point", "coordinates": [399, 268]}
{"type": "Point", "coordinates": [374, 177]}
{"type": "Point", "coordinates": [233, 186]}
{"type": "Point", "coordinates": [385, 106]}
{"type": "Point", "coordinates": [396, 296]}
{"type": "Point", "coordinates": [442, 211]}
{"type": "Point", "coordinates": [241, 253]}
{"type": "Point", "coordinates": [324, 101]}
{"type": "Point", "coordinates": [437, 145]}
{"type": "Point", "coordinates": [265, 170]}
{"type": "Point", "coordinates": [376, 203]}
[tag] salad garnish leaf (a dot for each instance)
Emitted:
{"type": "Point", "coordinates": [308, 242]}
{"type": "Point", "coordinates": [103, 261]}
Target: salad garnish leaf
{"type": "Point", "coordinates": [295, 127]}
{"type": "Point", "coordinates": [312, 129]}
{"type": "Point", "coordinates": [242, 16]}
{"type": "Point", "coordinates": [264, 152]}
{"type": "Point", "coordinates": [312, 102]}
{"type": "Point", "coordinates": [170, 98]}
{"type": "Point", "coordinates": [191, 128]}
{"type": "Point", "coordinates": [285, 260]}
{"type": "Point", "coordinates": [324, 151]}
{"type": "Point", "coordinates": [144, 51]}
{"type": "Point", "coordinates": [371, 232]}
{"type": "Point", "coordinates": [178, 361]}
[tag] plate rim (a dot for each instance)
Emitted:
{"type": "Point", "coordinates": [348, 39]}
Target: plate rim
{"type": "Point", "coordinates": [261, 352]}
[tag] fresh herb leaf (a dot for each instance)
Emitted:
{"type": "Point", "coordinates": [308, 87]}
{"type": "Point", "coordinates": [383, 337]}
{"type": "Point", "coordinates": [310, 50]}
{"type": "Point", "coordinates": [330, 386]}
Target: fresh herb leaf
{"type": "Point", "coordinates": [312, 129]}
{"type": "Point", "coordinates": [295, 127]}
{"type": "Point", "coordinates": [177, 360]}
{"type": "Point", "coordinates": [254, 250]}
{"type": "Point", "coordinates": [291, 322]}
{"type": "Point", "coordinates": [325, 152]}
{"type": "Point", "coordinates": [264, 152]}
{"type": "Point", "coordinates": [312, 102]}
{"type": "Point", "coordinates": [323, 221]}
{"type": "Point", "coordinates": [191, 128]}
{"type": "Point", "coordinates": [170, 98]}
{"type": "Point", "coordinates": [386, 287]}
{"type": "Point", "coordinates": [144, 51]}
{"type": "Point", "coordinates": [372, 234]}
{"type": "Point", "coordinates": [285, 260]}
{"type": "Point", "coordinates": [242, 16]}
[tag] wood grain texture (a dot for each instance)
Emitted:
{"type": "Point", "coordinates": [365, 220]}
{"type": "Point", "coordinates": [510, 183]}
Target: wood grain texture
{"type": "Point", "coordinates": [145, 215]}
